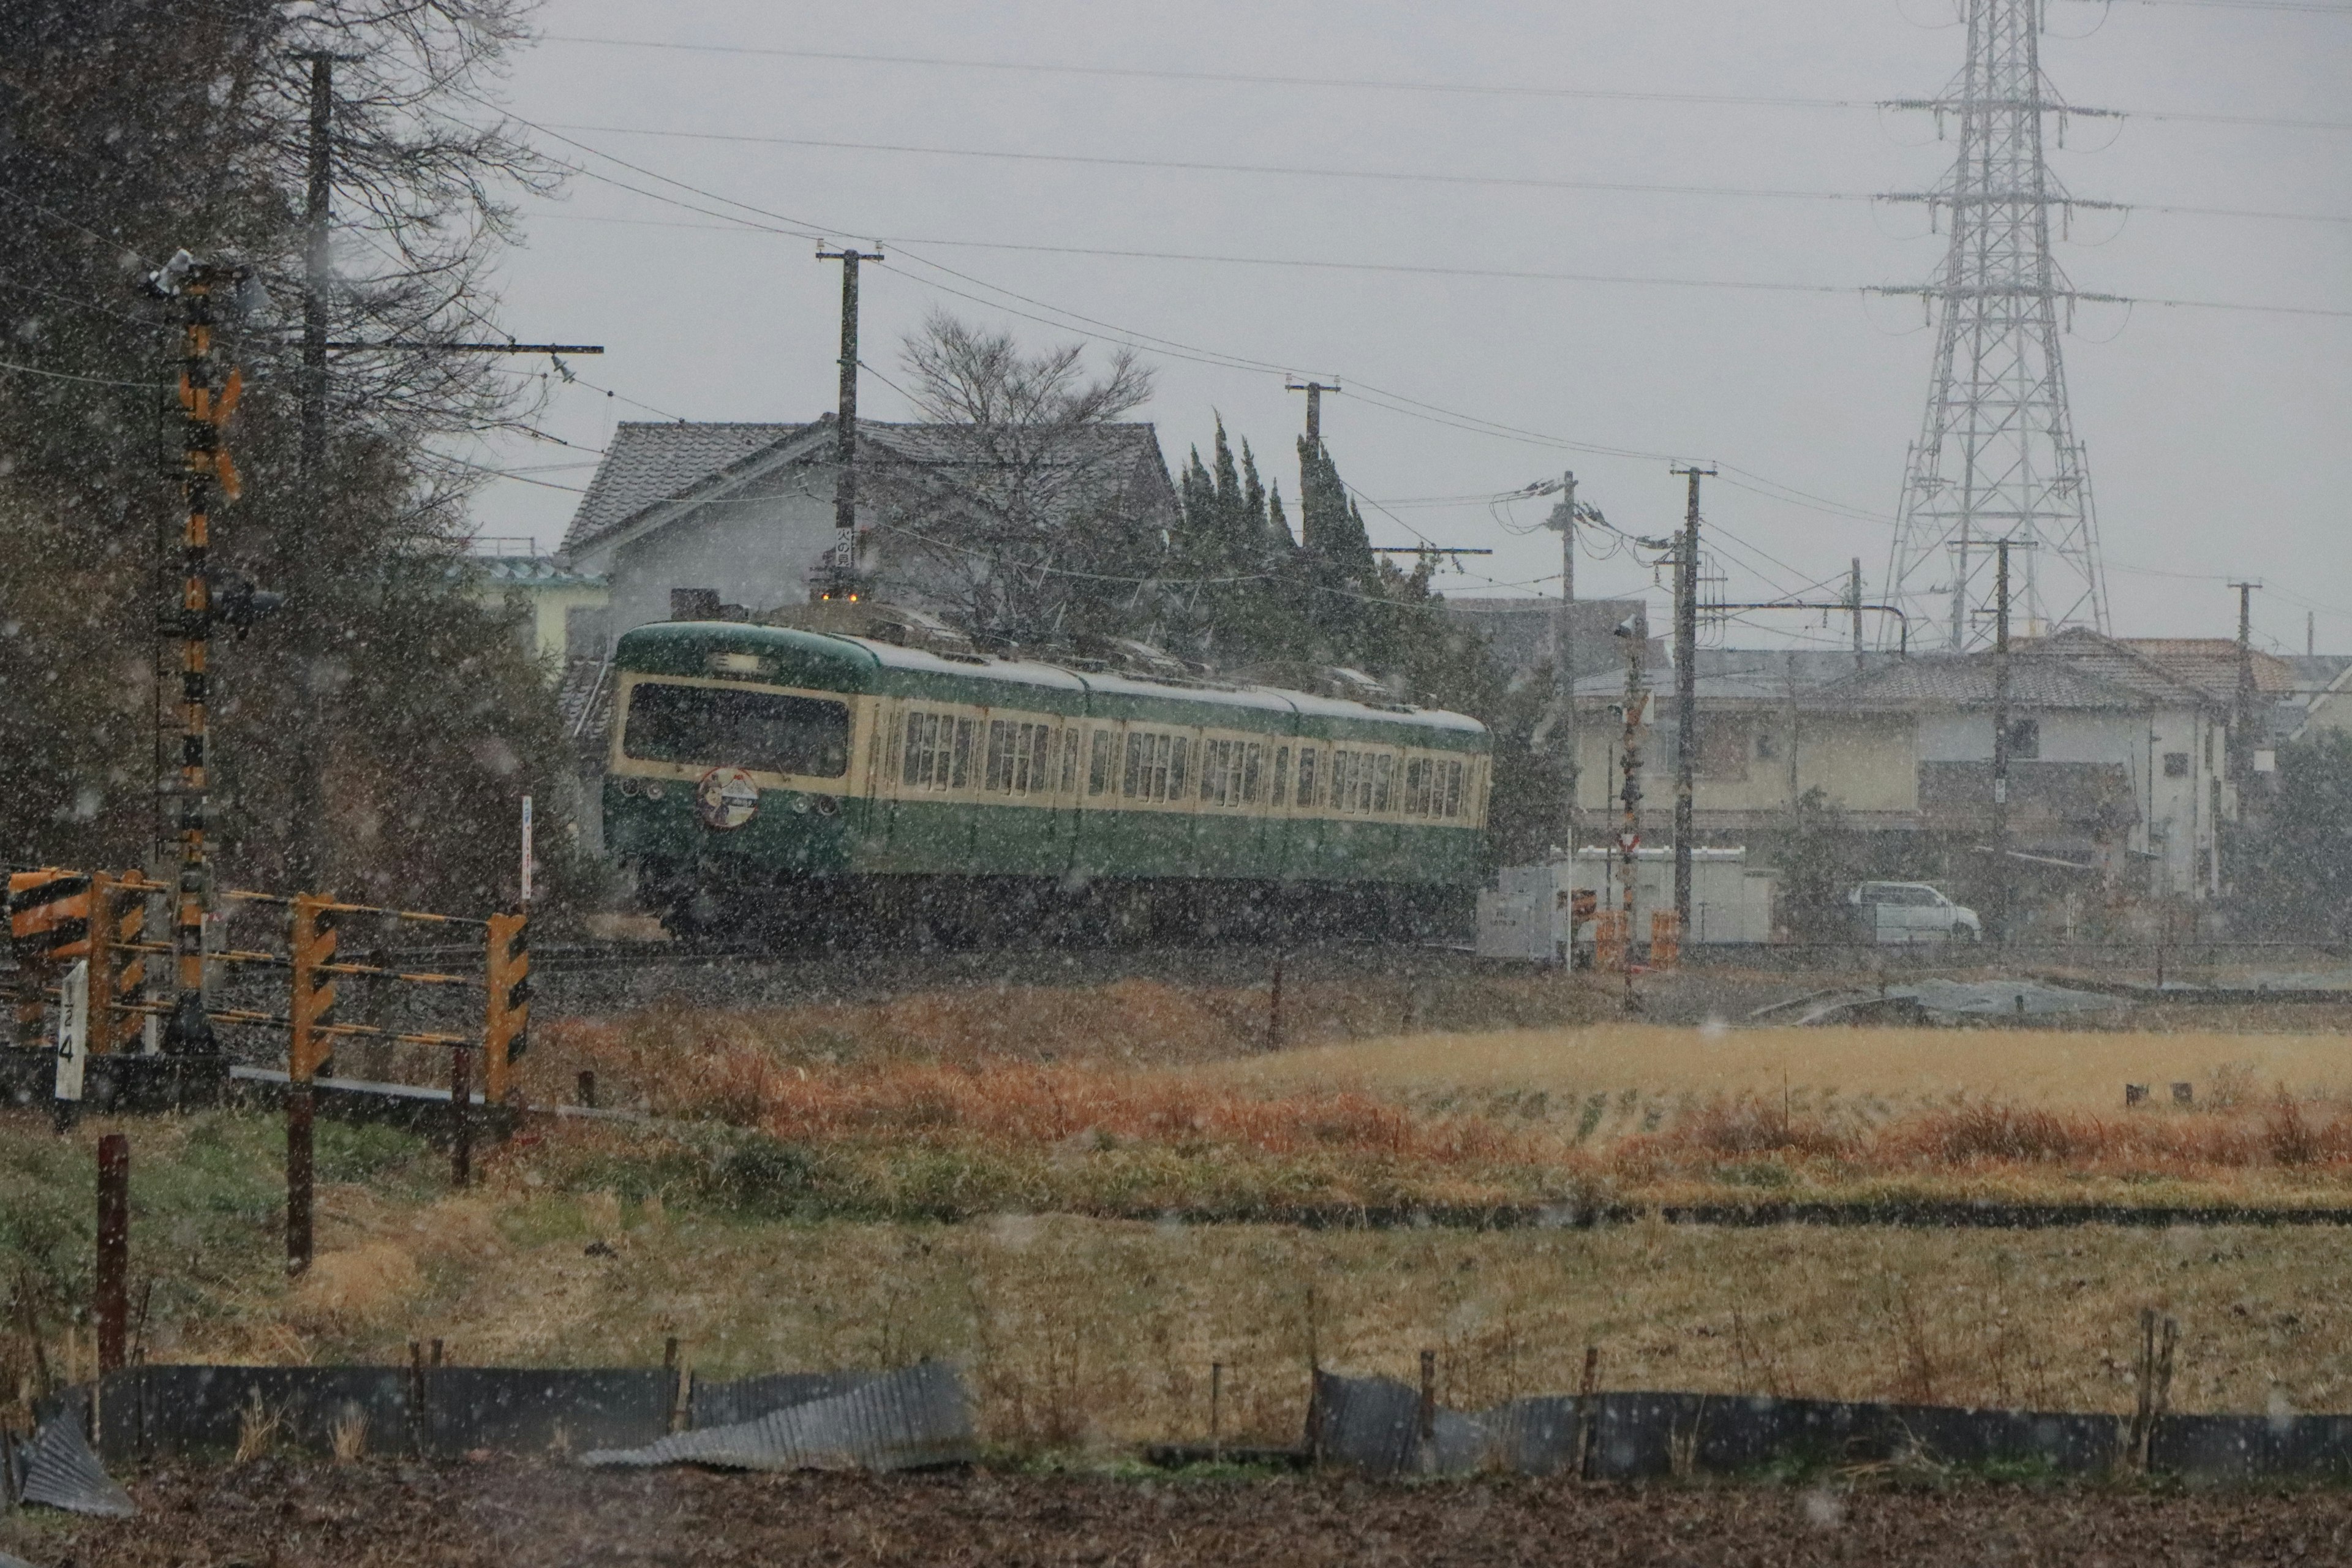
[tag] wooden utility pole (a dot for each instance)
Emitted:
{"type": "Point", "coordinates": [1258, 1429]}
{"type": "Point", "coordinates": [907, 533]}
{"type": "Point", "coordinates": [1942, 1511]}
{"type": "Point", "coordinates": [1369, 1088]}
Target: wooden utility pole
{"type": "Point", "coordinates": [2243, 715]}
{"type": "Point", "coordinates": [317, 221]}
{"type": "Point", "coordinates": [841, 580]}
{"type": "Point", "coordinates": [1685, 695]}
{"type": "Point", "coordinates": [1563, 655]}
{"type": "Point", "coordinates": [1313, 391]}
{"type": "Point", "coordinates": [1629, 794]}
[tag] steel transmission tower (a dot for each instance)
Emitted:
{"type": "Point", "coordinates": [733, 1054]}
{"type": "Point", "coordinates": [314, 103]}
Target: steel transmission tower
{"type": "Point", "coordinates": [1997, 457]}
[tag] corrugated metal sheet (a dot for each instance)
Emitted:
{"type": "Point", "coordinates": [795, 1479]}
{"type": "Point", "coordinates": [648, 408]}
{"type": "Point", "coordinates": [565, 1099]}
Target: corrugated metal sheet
{"type": "Point", "coordinates": [61, 1471]}
{"type": "Point", "coordinates": [900, 1420]}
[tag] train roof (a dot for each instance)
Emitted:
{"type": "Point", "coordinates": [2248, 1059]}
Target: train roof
{"type": "Point", "coordinates": [684, 647]}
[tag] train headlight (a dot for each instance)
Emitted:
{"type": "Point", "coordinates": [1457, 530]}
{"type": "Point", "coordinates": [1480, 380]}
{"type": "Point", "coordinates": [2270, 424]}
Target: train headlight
{"type": "Point", "coordinates": [654, 789]}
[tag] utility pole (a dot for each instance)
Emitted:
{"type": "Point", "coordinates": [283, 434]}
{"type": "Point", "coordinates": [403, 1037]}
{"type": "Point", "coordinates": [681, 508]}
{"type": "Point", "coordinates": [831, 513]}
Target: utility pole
{"type": "Point", "coordinates": [1313, 391]}
{"type": "Point", "coordinates": [842, 578]}
{"type": "Point", "coordinates": [1685, 696]}
{"type": "Point", "coordinates": [1629, 832]}
{"type": "Point", "coordinates": [2001, 741]}
{"type": "Point", "coordinates": [1854, 603]}
{"type": "Point", "coordinates": [1564, 653]}
{"type": "Point", "coordinates": [2241, 720]}
{"type": "Point", "coordinates": [317, 219]}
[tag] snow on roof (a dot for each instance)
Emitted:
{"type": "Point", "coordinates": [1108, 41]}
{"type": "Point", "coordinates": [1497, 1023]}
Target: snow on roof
{"type": "Point", "coordinates": [648, 463]}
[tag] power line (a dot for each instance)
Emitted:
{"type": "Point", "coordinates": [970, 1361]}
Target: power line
{"type": "Point", "coordinates": [86, 380]}
{"type": "Point", "coordinates": [1397, 176]}
{"type": "Point", "coordinates": [1485, 90]}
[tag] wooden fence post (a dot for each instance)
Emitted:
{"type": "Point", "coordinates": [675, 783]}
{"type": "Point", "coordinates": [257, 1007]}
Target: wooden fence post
{"type": "Point", "coordinates": [461, 1122]}
{"type": "Point", "coordinates": [112, 1305]}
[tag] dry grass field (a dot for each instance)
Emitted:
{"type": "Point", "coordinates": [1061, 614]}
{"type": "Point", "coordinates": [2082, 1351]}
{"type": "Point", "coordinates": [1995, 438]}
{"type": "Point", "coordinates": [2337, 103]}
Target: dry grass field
{"type": "Point", "coordinates": [1088, 1333]}
{"type": "Point", "coordinates": [2054, 1069]}
{"type": "Point", "coordinates": [903, 1187]}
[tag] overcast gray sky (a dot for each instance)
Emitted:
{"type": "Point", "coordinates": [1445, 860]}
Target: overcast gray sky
{"type": "Point", "coordinates": [2217, 438]}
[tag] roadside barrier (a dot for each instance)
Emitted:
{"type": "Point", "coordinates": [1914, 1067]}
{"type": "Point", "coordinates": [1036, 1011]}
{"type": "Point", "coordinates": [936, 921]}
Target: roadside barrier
{"type": "Point", "coordinates": [1383, 1428]}
{"type": "Point", "coordinates": [59, 918]}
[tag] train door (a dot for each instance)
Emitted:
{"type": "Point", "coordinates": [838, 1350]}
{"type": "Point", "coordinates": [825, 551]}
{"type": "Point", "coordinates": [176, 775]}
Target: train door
{"type": "Point", "coordinates": [879, 796]}
{"type": "Point", "coordinates": [1094, 847]}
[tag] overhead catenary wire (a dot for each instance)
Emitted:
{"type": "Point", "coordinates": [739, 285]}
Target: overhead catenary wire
{"type": "Point", "coordinates": [1394, 176]}
{"type": "Point", "coordinates": [1394, 402]}
{"type": "Point", "coordinates": [1393, 84]}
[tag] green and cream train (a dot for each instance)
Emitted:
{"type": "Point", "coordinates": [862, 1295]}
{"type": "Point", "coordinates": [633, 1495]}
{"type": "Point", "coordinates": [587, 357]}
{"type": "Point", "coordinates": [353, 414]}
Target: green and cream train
{"type": "Point", "coordinates": [772, 782]}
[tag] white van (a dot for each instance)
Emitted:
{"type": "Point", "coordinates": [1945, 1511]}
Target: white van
{"type": "Point", "coordinates": [1911, 911]}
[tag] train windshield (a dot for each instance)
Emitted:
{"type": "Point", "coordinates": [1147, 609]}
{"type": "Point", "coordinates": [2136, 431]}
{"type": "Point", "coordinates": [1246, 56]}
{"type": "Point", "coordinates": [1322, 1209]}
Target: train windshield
{"type": "Point", "coordinates": [718, 726]}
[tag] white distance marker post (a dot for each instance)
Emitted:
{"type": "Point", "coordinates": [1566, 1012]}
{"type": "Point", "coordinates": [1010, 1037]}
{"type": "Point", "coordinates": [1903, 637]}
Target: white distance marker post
{"type": "Point", "coordinates": [526, 849]}
{"type": "Point", "coordinates": [73, 1031]}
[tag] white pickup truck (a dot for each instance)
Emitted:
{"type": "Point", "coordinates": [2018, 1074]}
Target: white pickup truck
{"type": "Point", "coordinates": [1911, 911]}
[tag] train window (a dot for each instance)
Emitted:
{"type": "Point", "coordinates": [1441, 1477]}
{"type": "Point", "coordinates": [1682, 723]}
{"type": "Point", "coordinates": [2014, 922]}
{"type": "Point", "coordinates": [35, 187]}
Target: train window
{"type": "Point", "coordinates": [1019, 757]}
{"type": "Point", "coordinates": [1384, 772]}
{"type": "Point", "coordinates": [1416, 787]}
{"type": "Point", "coordinates": [1155, 766]}
{"type": "Point", "coordinates": [1307, 756]}
{"type": "Point", "coordinates": [960, 761]}
{"type": "Point", "coordinates": [709, 726]}
{"type": "Point", "coordinates": [921, 749]}
{"type": "Point", "coordinates": [1281, 796]}
{"type": "Point", "coordinates": [1098, 763]}
{"type": "Point", "coordinates": [1070, 759]}
{"type": "Point", "coordinates": [1452, 804]}
{"type": "Point", "coordinates": [1230, 772]}
{"type": "Point", "coordinates": [1345, 767]}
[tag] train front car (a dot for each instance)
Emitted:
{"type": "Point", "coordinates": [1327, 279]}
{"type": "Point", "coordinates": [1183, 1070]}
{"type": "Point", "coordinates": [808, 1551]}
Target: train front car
{"type": "Point", "coordinates": [772, 784]}
{"type": "Point", "coordinates": [732, 778]}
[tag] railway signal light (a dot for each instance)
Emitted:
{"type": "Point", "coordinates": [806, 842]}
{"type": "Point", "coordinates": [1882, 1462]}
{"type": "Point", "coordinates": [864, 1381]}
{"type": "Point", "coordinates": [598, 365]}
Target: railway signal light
{"type": "Point", "coordinates": [312, 1005]}
{"type": "Point", "coordinates": [506, 1027]}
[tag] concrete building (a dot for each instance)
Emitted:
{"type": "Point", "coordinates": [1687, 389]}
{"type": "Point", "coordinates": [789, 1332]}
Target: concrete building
{"type": "Point", "coordinates": [2118, 772]}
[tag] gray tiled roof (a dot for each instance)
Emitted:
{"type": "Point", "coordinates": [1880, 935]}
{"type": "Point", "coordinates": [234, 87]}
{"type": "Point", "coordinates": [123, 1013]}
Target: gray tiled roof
{"type": "Point", "coordinates": [645, 463]}
{"type": "Point", "coordinates": [2107, 659]}
{"type": "Point", "coordinates": [1966, 680]}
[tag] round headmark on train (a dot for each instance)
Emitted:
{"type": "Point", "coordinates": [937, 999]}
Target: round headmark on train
{"type": "Point", "coordinates": [726, 798]}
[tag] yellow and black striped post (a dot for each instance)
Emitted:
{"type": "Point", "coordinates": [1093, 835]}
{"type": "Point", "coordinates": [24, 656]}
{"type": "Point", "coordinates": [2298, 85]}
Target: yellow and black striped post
{"type": "Point", "coordinates": [48, 927]}
{"type": "Point", "coordinates": [117, 970]}
{"type": "Point", "coordinates": [206, 401]}
{"type": "Point", "coordinates": [505, 1025]}
{"type": "Point", "coordinates": [312, 1005]}
{"type": "Point", "coordinates": [309, 1012]}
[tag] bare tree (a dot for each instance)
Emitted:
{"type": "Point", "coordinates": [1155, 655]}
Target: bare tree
{"type": "Point", "coordinates": [1026, 508]}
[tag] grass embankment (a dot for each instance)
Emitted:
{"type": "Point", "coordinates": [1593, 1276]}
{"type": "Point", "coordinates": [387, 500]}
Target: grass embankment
{"type": "Point", "coordinates": [589, 1248]}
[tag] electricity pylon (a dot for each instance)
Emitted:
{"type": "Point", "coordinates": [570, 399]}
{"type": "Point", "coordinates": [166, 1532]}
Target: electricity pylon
{"type": "Point", "coordinates": [1997, 458]}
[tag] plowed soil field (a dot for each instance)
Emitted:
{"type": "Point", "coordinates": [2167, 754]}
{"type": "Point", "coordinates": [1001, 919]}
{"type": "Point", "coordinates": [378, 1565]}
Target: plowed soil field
{"type": "Point", "coordinates": [503, 1515]}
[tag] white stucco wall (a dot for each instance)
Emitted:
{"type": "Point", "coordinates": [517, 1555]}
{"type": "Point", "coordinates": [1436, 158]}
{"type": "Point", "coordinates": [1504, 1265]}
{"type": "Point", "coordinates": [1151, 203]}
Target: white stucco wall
{"type": "Point", "coordinates": [755, 549]}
